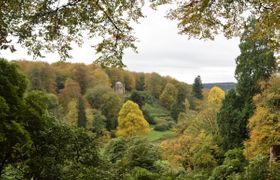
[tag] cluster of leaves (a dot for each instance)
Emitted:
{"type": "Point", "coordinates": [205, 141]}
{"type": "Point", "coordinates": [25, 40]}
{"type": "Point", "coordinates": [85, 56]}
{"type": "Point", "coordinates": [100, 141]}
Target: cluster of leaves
{"type": "Point", "coordinates": [264, 124]}
{"type": "Point", "coordinates": [131, 121]}
{"type": "Point", "coordinates": [204, 19]}
{"type": "Point", "coordinates": [44, 26]}
{"type": "Point", "coordinates": [137, 158]}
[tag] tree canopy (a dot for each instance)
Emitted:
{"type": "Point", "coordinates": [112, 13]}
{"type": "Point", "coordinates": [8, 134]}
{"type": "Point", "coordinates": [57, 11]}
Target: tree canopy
{"type": "Point", "coordinates": [204, 19]}
{"type": "Point", "coordinates": [44, 26]}
{"type": "Point", "coordinates": [264, 124]}
{"type": "Point", "coordinates": [215, 96]}
{"type": "Point", "coordinates": [255, 63]}
{"type": "Point", "coordinates": [168, 95]}
{"type": "Point", "coordinates": [54, 25]}
{"type": "Point", "coordinates": [197, 88]}
{"type": "Point", "coordinates": [131, 121]}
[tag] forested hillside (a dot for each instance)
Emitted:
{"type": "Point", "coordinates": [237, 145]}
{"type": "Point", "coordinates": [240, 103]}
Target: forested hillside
{"type": "Point", "coordinates": [86, 122]}
{"type": "Point", "coordinates": [78, 92]}
{"type": "Point", "coordinates": [69, 121]}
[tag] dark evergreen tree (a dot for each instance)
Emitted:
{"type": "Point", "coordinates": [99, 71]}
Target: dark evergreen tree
{"type": "Point", "coordinates": [138, 97]}
{"type": "Point", "coordinates": [197, 88]}
{"type": "Point", "coordinates": [255, 63]}
{"type": "Point", "coordinates": [82, 120]}
{"type": "Point", "coordinates": [179, 106]}
{"type": "Point", "coordinates": [140, 82]}
{"type": "Point", "coordinates": [231, 123]}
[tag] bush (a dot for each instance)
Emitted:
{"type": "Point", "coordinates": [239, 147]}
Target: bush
{"type": "Point", "coordinates": [148, 117]}
{"type": "Point", "coordinates": [232, 166]}
{"type": "Point", "coordinates": [171, 124]}
{"type": "Point", "coordinates": [132, 152]}
{"type": "Point", "coordinates": [141, 174]}
{"type": "Point", "coordinates": [161, 127]}
{"type": "Point", "coordinates": [257, 169]}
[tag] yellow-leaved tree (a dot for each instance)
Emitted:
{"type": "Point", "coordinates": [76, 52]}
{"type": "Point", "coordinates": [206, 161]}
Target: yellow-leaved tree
{"type": "Point", "coordinates": [264, 125]}
{"type": "Point", "coordinates": [215, 96]}
{"type": "Point", "coordinates": [131, 121]}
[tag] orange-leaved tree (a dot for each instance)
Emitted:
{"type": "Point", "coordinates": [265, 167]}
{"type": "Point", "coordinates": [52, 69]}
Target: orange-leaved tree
{"type": "Point", "coordinates": [264, 125]}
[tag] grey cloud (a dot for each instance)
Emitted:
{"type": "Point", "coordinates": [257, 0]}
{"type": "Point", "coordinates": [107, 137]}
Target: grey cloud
{"type": "Point", "coordinates": [163, 51]}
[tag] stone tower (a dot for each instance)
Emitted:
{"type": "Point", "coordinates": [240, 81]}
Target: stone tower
{"type": "Point", "coordinates": [119, 88]}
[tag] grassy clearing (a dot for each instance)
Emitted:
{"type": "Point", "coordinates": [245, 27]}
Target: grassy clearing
{"type": "Point", "coordinates": [155, 136]}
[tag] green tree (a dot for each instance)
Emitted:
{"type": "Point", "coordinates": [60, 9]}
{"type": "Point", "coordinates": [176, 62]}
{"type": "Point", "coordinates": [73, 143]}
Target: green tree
{"type": "Point", "coordinates": [197, 88]}
{"type": "Point", "coordinates": [82, 119]}
{"type": "Point", "coordinates": [62, 151]}
{"type": "Point", "coordinates": [233, 164]}
{"type": "Point", "coordinates": [255, 63]}
{"type": "Point", "coordinates": [95, 95]}
{"type": "Point", "coordinates": [140, 82]}
{"type": "Point", "coordinates": [179, 105]}
{"type": "Point", "coordinates": [168, 96]}
{"type": "Point", "coordinates": [139, 97]}
{"type": "Point", "coordinates": [231, 122]}
{"type": "Point", "coordinates": [99, 122]}
{"type": "Point", "coordinates": [14, 138]}
{"type": "Point", "coordinates": [54, 108]}
{"type": "Point", "coordinates": [110, 109]}
{"type": "Point", "coordinates": [128, 153]}
{"type": "Point", "coordinates": [131, 121]}
{"type": "Point", "coordinates": [104, 99]}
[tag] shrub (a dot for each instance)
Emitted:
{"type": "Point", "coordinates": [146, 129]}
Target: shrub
{"type": "Point", "coordinates": [148, 117]}
{"type": "Point", "coordinates": [161, 127]}
{"type": "Point", "coordinates": [257, 169]}
{"type": "Point", "coordinates": [141, 174]}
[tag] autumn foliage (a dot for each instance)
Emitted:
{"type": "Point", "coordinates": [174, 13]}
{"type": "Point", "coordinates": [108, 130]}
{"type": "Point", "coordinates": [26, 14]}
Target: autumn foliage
{"type": "Point", "coordinates": [265, 123]}
{"type": "Point", "coordinates": [131, 121]}
{"type": "Point", "coordinates": [215, 96]}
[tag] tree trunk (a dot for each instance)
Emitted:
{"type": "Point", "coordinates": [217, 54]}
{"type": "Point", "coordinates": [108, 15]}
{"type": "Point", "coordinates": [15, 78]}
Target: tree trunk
{"type": "Point", "coordinates": [274, 153]}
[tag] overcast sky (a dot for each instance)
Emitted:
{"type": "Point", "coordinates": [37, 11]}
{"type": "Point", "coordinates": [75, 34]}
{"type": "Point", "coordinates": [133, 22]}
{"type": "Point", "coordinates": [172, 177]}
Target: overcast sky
{"type": "Point", "coordinates": [162, 50]}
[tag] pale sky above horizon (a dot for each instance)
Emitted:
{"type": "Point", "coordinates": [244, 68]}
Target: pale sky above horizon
{"type": "Point", "coordinates": [161, 49]}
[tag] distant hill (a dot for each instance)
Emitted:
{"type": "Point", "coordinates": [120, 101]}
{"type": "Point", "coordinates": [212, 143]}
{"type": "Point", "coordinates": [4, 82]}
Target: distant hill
{"type": "Point", "coordinates": [224, 85]}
